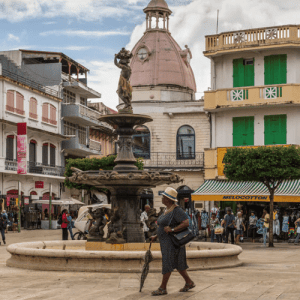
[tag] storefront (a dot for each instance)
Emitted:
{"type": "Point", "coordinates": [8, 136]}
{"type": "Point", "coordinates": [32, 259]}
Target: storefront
{"type": "Point", "coordinates": [254, 197]}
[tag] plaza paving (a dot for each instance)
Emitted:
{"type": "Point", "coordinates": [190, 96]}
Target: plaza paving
{"type": "Point", "coordinates": [266, 274]}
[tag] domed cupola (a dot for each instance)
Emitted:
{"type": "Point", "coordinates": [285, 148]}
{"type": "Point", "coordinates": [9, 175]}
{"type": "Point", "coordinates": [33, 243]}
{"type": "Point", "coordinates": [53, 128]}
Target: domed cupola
{"type": "Point", "coordinates": [158, 61]}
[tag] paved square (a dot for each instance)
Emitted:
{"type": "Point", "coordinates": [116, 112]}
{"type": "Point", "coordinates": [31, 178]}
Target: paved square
{"type": "Point", "coordinates": [266, 274]}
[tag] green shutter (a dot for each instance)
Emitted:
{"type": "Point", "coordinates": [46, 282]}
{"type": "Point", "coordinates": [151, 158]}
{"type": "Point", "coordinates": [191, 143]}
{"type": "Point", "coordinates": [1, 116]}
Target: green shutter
{"type": "Point", "coordinates": [275, 129]}
{"type": "Point", "coordinates": [249, 75]}
{"type": "Point", "coordinates": [238, 72]}
{"type": "Point", "coordinates": [243, 131]}
{"type": "Point", "coordinates": [275, 69]}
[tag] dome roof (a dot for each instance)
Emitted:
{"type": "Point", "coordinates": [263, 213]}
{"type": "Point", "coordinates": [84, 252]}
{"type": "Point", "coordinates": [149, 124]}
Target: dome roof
{"type": "Point", "coordinates": [158, 5]}
{"type": "Point", "coordinates": [159, 60]}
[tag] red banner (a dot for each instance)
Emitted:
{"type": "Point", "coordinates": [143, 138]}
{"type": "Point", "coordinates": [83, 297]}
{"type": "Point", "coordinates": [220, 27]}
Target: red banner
{"type": "Point", "coordinates": [22, 148]}
{"type": "Point", "coordinates": [39, 184]}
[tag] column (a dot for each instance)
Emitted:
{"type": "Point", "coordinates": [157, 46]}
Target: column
{"type": "Point", "coordinates": [164, 20]}
{"type": "Point", "coordinates": [147, 20]}
{"type": "Point", "coordinates": [157, 19]}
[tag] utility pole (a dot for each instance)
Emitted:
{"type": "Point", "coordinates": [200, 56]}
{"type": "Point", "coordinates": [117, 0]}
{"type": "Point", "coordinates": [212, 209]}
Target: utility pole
{"type": "Point", "coordinates": [19, 205]}
{"type": "Point", "coordinates": [50, 205]}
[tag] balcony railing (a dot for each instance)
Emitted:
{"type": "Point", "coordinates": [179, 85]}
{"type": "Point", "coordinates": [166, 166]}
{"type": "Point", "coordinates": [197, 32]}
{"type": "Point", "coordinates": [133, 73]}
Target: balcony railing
{"type": "Point", "coordinates": [174, 160]}
{"type": "Point", "coordinates": [88, 112]}
{"type": "Point", "coordinates": [253, 37]}
{"type": "Point", "coordinates": [31, 83]}
{"type": "Point", "coordinates": [36, 168]}
{"type": "Point", "coordinates": [95, 145]}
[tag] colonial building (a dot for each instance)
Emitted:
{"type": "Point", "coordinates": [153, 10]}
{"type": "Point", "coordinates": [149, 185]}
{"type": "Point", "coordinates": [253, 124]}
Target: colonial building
{"type": "Point", "coordinates": [254, 97]}
{"type": "Point", "coordinates": [164, 87]}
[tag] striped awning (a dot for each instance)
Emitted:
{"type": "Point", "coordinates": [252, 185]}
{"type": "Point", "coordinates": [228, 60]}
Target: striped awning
{"type": "Point", "coordinates": [224, 190]}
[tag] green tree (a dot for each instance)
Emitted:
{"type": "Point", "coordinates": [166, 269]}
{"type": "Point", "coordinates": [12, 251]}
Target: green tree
{"type": "Point", "coordinates": [90, 164]}
{"type": "Point", "coordinates": [268, 165]}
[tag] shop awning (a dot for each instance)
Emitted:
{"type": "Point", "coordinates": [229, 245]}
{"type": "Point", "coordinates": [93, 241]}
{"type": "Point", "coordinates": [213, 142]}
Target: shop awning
{"type": "Point", "coordinates": [224, 190]}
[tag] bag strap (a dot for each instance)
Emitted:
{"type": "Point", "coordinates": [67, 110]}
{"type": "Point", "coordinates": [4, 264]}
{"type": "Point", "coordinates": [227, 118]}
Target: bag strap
{"type": "Point", "coordinates": [172, 216]}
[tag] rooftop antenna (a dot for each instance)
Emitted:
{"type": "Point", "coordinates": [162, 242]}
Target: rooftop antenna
{"type": "Point", "coordinates": [217, 21]}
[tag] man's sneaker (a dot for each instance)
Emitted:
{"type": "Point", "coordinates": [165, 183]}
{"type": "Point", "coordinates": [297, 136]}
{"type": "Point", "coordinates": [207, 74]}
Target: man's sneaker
{"type": "Point", "coordinates": [4, 242]}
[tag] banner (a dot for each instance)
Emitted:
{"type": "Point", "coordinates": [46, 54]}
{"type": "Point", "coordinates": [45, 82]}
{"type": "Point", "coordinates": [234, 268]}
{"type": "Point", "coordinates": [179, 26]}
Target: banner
{"type": "Point", "coordinates": [22, 148]}
{"type": "Point", "coordinates": [26, 200]}
{"type": "Point", "coordinates": [7, 201]}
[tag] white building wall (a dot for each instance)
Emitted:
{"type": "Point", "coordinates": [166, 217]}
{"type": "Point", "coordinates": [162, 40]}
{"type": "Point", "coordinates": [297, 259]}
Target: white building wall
{"type": "Point", "coordinates": [222, 135]}
{"type": "Point", "coordinates": [224, 67]}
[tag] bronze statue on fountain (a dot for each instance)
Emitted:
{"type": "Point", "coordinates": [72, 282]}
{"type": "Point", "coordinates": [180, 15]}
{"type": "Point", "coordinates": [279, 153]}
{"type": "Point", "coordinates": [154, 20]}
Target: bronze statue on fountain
{"type": "Point", "coordinates": [125, 182]}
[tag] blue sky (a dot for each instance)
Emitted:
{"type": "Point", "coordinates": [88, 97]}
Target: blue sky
{"type": "Point", "coordinates": [92, 31]}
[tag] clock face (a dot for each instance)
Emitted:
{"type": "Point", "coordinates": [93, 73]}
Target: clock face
{"type": "Point", "coordinates": [142, 54]}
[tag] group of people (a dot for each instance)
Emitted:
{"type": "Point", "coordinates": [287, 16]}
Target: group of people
{"type": "Point", "coordinates": [67, 224]}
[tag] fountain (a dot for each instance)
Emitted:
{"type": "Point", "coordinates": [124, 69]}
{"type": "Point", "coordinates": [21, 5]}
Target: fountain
{"type": "Point", "coordinates": [124, 249]}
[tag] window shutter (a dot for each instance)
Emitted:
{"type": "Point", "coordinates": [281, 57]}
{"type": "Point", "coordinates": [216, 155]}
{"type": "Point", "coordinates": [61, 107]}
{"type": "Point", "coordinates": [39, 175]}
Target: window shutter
{"type": "Point", "coordinates": [275, 69]}
{"type": "Point", "coordinates": [267, 70]}
{"type": "Point", "coordinates": [249, 130]}
{"type": "Point", "coordinates": [52, 114]}
{"type": "Point", "coordinates": [19, 104]}
{"type": "Point", "coordinates": [243, 131]}
{"type": "Point", "coordinates": [9, 148]}
{"type": "Point", "coordinates": [236, 132]}
{"type": "Point", "coordinates": [45, 155]}
{"type": "Point", "coordinates": [282, 129]}
{"type": "Point", "coordinates": [32, 152]}
{"type": "Point", "coordinates": [275, 129]}
{"type": "Point", "coordinates": [238, 73]}
{"type": "Point", "coordinates": [283, 68]}
{"type": "Point", "coordinates": [10, 99]}
{"type": "Point", "coordinates": [52, 155]}
{"type": "Point", "coordinates": [249, 75]}
{"type": "Point", "coordinates": [45, 113]}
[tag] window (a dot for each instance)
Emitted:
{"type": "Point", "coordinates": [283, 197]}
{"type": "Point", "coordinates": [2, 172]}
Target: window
{"type": "Point", "coordinates": [82, 135]}
{"type": "Point", "coordinates": [186, 143]}
{"type": "Point", "coordinates": [83, 101]}
{"type": "Point", "coordinates": [243, 72]}
{"type": "Point", "coordinates": [243, 131]}
{"type": "Point", "coordinates": [48, 148]}
{"type": "Point", "coordinates": [10, 147]}
{"type": "Point", "coordinates": [32, 151]}
{"type": "Point", "coordinates": [49, 114]}
{"type": "Point", "coordinates": [69, 128]}
{"type": "Point", "coordinates": [275, 69]}
{"type": "Point", "coordinates": [141, 142]}
{"type": "Point", "coordinates": [275, 129]}
{"type": "Point", "coordinates": [15, 102]}
{"type": "Point", "coordinates": [69, 97]}
{"type": "Point", "coordinates": [33, 108]}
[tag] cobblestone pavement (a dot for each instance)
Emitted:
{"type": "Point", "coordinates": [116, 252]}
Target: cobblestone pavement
{"type": "Point", "coordinates": [266, 274]}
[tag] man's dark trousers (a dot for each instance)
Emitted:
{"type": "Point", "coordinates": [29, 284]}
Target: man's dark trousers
{"type": "Point", "coordinates": [231, 232]}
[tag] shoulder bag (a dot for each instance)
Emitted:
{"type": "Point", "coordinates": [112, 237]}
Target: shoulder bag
{"type": "Point", "coordinates": [180, 239]}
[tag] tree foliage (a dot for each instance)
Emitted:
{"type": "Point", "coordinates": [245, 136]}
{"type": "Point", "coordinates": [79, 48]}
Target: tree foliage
{"type": "Point", "coordinates": [89, 164]}
{"type": "Point", "coordinates": [269, 165]}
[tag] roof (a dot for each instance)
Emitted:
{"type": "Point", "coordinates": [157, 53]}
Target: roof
{"type": "Point", "coordinates": [224, 190]}
{"type": "Point", "coordinates": [62, 55]}
{"type": "Point", "coordinates": [166, 63]}
{"type": "Point", "coordinates": [158, 5]}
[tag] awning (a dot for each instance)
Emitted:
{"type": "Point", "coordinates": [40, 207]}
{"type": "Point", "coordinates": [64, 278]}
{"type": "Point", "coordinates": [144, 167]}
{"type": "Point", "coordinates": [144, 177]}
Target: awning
{"type": "Point", "coordinates": [224, 190]}
{"type": "Point", "coordinates": [70, 201]}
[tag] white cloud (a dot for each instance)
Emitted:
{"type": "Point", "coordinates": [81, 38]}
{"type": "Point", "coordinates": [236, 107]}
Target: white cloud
{"type": "Point", "coordinates": [84, 33]}
{"type": "Point", "coordinates": [12, 37]}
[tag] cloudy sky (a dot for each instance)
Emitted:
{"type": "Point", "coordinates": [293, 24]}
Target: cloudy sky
{"type": "Point", "coordinates": [92, 31]}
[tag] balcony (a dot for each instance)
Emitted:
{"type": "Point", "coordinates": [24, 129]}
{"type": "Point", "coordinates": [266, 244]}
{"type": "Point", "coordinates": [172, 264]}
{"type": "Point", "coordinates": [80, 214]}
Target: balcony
{"type": "Point", "coordinates": [171, 160]}
{"type": "Point", "coordinates": [82, 115]}
{"type": "Point", "coordinates": [266, 37]}
{"type": "Point", "coordinates": [77, 147]}
{"type": "Point", "coordinates": [252, 96]}
{"type": "Point", "coordinates": [36, 168]}
{"type": "Point", "coordinates": [78, 87]}
{"type": "Point", "coordinates": [95, 145]}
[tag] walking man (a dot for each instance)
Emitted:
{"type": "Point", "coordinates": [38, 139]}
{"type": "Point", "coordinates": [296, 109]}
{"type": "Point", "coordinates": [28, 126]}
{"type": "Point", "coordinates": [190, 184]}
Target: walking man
{"type": "Point", "coordinates": [144, 218]}
{"type": "Point", "coordinates": [229, 225]}
{"type": "Point", "coordinates": [3, 225]}
{"type": "Point", "coordinates": [239, 227]}
{"type": "Point", "coordinates": [70, 225]}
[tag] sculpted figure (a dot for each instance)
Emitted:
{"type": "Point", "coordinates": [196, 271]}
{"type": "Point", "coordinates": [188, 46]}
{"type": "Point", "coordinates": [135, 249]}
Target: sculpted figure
{"type": "Point", "coordinates": [97, 229]}
{"type": "Point", "coordinates": [115, 228]}
{"type": "Point", "coordinates": [124, 89]}
{"type": "Point", "coordinates": [151, 222]}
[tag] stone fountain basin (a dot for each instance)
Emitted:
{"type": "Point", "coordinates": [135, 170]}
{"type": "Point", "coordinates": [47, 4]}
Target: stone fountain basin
{"type": "Point", "coordinates": [114, 258]}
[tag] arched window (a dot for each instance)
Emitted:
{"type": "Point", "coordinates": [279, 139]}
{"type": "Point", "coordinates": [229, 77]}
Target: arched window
{"type": "Point", "coordinates": [48, 151]}
{"type": "Point", "coordinates": [185, 143]}
{"type": "Point", "coordinates": [141, 142]}
{"type": "Point", "coordinates": [49, 114]}
{"type": "Point", "coordinates": [15, 102]}
{"type": "Point", "coordinates": [32, 153]}
{"type": "Point", "coordinates": [33, 108]}
{"type": "Point", "coordinates": [11, 147]}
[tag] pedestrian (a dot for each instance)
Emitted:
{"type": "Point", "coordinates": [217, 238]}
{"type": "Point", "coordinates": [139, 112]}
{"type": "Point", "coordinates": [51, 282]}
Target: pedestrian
{"type": "Point", "coordinates": [173, 219]}
{"type": "Point", "coordinates": [229, 225]}
{"type": "Point", "coordinates": [144, 218]}
{"type": "Point", "coordinates": [252, 226]}
{"type": "Point", "coordinates": [239, 225]}
{"type": "Point", "coordinates": [297, 223]}
{"type": "Point", "coordinates": [214, 221]}
{"type": "Point", "coordinates": [285, 225]}
{"type": "Point", "coordinates": [266, 225]}
{"type": "Point", "coordinates": [3, 225]}
{"type": "Point", "coordinates": [70, 225]}
{"type": "Point", "coordinates": [64, 225]}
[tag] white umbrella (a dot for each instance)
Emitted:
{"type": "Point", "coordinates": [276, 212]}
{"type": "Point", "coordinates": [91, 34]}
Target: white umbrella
{"type": "Point", "coordinates": [70, 201]}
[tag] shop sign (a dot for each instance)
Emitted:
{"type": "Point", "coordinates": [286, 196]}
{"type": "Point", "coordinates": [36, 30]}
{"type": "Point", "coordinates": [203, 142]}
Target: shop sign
{"type": "Point", "coordinates": [245, 198]}
{"type": "Point", "coordinates": [26, 200]}
{"type": "Point", "coordinates": [22, 148]}
{"type": "Point", "coordinates": [39, 184]}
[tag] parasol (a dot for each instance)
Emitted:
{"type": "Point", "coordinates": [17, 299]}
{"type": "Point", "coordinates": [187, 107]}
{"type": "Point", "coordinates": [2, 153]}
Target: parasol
{"type": "Point", "coordinates": [145, 271]}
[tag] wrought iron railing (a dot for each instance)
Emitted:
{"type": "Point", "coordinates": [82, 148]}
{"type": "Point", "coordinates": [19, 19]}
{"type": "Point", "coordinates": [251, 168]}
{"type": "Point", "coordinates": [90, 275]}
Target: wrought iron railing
{"type": "Point", "coordinates": [36, 168]}
{"type": "Point", "coordinates": [173, 160]}
{"type": "Point", "coordinates": [31, 83]}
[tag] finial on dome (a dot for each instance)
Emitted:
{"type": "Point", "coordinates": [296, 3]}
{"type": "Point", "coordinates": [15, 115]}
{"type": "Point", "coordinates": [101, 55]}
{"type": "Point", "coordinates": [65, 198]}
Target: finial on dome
{"type": "Point", "coordinates": [157, 9]}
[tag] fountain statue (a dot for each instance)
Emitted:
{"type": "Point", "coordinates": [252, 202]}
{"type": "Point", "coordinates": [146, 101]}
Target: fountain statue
{"type": "Point", "coordinates": [125, 182]}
